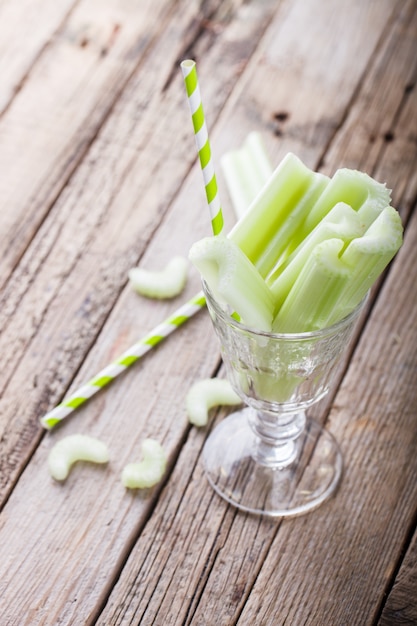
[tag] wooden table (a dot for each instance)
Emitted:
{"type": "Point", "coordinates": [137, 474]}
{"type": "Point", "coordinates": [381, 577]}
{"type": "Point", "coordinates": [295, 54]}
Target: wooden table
{"type": "Point", "coordinates": [99, 174]}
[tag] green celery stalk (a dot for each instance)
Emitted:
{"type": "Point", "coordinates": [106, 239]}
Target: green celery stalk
{"type": "Point", "coordinates": [282, 241]}
{"type": "Point", "coordinates": [234, 281]}
{"type": "Point", "coordinates": [255, 147]}
{"type": "Point", "coordinates": [257, 233]}
{"type": "Point", "coordinates": [316, 290]}
{"type": "Point", "coordinates": [307, 249]}
{"type": "Point", "coordinates": [341, 222]}
{"type": "Point", "coordinates": [368, 256]}
{"type": "Point", "coordinates": [360, 191]}
{"type": "Point", "coordinates": [246, 171]}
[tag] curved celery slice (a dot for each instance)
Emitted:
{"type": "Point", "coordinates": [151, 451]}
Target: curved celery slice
{"type": "Point", "coordinates": [257, 233]}
{"type": "Point", "coordinates": [234, 280]}
{"type": "Point", "coordinates": [315, 291]}
{"type": "Point", "coordinates": [165, 283]}
{"type": "Point", "coordinates": [246, 171]}
{"type": "Point", "coordinates": [341, 222]}
{"type": "Point", "coordinates": [150, 470]}
{"type": "Point", "coordinates": [207, 393]}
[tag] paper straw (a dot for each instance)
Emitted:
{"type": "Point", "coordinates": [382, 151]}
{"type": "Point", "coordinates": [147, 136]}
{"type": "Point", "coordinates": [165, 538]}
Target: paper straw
{"type": "Point", "coordinates": [128, 358]}
{"type": "Point", "coordinates": [190, 308]}
{"type": "Point", "coordinates": [189, 72]}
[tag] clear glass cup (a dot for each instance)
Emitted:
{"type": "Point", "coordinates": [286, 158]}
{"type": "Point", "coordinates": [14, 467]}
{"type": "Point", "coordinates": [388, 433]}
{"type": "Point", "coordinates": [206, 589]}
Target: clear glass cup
{"type": "Point", "coordinates": [270, 458]}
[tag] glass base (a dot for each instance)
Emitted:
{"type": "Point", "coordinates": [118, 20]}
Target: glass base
{"type": "Point", "coordinates": [308, 476]}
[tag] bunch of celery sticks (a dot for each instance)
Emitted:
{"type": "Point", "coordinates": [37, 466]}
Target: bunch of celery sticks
{"type": "Point", "coordinates": [307, 249]}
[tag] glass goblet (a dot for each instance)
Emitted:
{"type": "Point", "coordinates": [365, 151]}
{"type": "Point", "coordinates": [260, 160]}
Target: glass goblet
{"type": "Point", "coordinates": [270, 458]}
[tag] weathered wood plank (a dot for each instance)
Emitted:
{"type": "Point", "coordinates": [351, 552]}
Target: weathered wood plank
{"type": "Point", "coordinates": [374, 420]}
{"type": "Point", "coordinates": [197, 554]}
{"type": "Point", "coordinates": [201, 554]}
{"type": "Point", "coordinates": [379, 135]}
{"type": "Point", "coordinates": [189, 571]}
{"type": "Point", "coordinates": [64, 100]}
{"type": "Point", "coordinates": [103, 522]}
{"type": "Point", "coordinates": [305, 68]}
{"type": "Point", "coordinates": [26, 27]}
{"type": "Point", "coordinates": [401, 605]}
{"type": "Point", "coordinates": [150, 401]}
{"type": "Point", "coordinates": [67, 282]}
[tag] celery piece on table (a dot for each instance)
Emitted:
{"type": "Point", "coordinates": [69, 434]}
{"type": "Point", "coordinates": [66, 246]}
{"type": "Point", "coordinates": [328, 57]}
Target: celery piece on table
{"type": "Point", "coordinates": [234, 280]}
{"type": "Point", "coordinates": [341, 222]}
{"type": "Point", "coordinates": [316, 290]}
{"type": "Point", "coordinates": [257, 233]}
{"type": "Point", "coordinates": [246, 171]}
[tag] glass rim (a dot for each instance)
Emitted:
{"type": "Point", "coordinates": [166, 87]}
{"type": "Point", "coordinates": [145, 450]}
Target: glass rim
{"type": "Point", "coordinates": [305, 335]}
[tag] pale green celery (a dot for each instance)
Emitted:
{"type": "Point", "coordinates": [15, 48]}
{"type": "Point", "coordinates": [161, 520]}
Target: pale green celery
{"type": "Point", "coordinates": [259, 158]}
{"type": "Point", "coordinates": [257, 233]}
{"type": "Point", "coordinates": [165, 283]}
{"type": "Point", "coordinates": [234, 280]}
{"type": "Point", "coordinates": [150, 470]}
{"type": "Point", "coordinates": [368, 256]}
{"type": "Point", "coordinates": [241, 180]}
{"type": "Point", "coordinates": [270, 386]}
{"type": "Point", "coordinates": [246, 171]}
{"type": "Point", "coordinates": [207, 393]}
{"type": "Point", "coordinates": [282, 241]}
{"type": "Point", "coordinates": [316, 290]}
{"type": "Point", "coordinates": [360, 191]}
{"type": "Point", "coordinates": [341, 222]}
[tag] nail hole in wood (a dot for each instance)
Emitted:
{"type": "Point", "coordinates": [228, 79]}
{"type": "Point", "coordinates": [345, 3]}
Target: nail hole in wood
{"type": "Point", "coordinates": [281, 116]}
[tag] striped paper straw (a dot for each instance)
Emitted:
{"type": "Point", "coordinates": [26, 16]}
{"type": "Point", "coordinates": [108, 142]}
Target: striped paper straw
{"type": "Point", "coordinates": [203, 145]}
{"type": "Point", "coordinates": [190, 308]}
{"type": "Point", "coordinates": [128, 358]}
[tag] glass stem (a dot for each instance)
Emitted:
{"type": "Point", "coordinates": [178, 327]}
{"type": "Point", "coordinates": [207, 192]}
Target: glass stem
{"type": "Point", "coordinates": [276, 436]}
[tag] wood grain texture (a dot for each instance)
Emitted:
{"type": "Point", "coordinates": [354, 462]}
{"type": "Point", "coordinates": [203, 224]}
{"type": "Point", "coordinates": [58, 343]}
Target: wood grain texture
{"type": "Point", "coordinates": [197, 554]}
{"type": "Point", "coordinates": [111, 182]}
{"type": "Point", "coordinates": [379, 135]}
{"type": "Point", "coordinates": [72, 304]}
{"type": "Point", "coordinates": [67, 282]}
{"type": "Point", "coordinates": [216, 558]}
{"type": "Point", "coordinates": [301, 88]}
{"type": "Point", "coordinates": [65, 98]}
{"type": "Point", "coordinates": [26, 28]}
{"type": "Point", "coordinates": [373, 418]}
{"type": "Point", "coordinates": [400, 606]}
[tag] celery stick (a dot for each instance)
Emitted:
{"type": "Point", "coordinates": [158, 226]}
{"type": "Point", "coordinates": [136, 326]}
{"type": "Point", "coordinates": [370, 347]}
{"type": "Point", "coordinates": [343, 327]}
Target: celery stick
{"type": "Point", "coordinates": [257, 233]}
{"type": "Point", "coordinates": [315, 291]}
{"type": "Point", "coordinates": [368, 256]}
{"type": "Point", "coordinates": [234, 280]}
{"type": "Point", "coordinates": [341, 222]}
{"type": "Point", "coordinates": [246, 171]}
{"type": "Point", "coordinates": [282, 240]}
{"type": "Point", "coordinates": [255, 147]}
{"type": "Point", "coordinates": [357, 189]}
{"type": "Point", "coordinates": [241, 180]}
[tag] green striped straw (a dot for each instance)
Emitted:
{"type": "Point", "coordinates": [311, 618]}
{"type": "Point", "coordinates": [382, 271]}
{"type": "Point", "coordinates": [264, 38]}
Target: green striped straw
{"type": "Point", "coordinates": [189, 72]}
{"type": "Point", "coordinates": [128, 358]}
{"type": "Point", "coordinates": [187, 310]}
